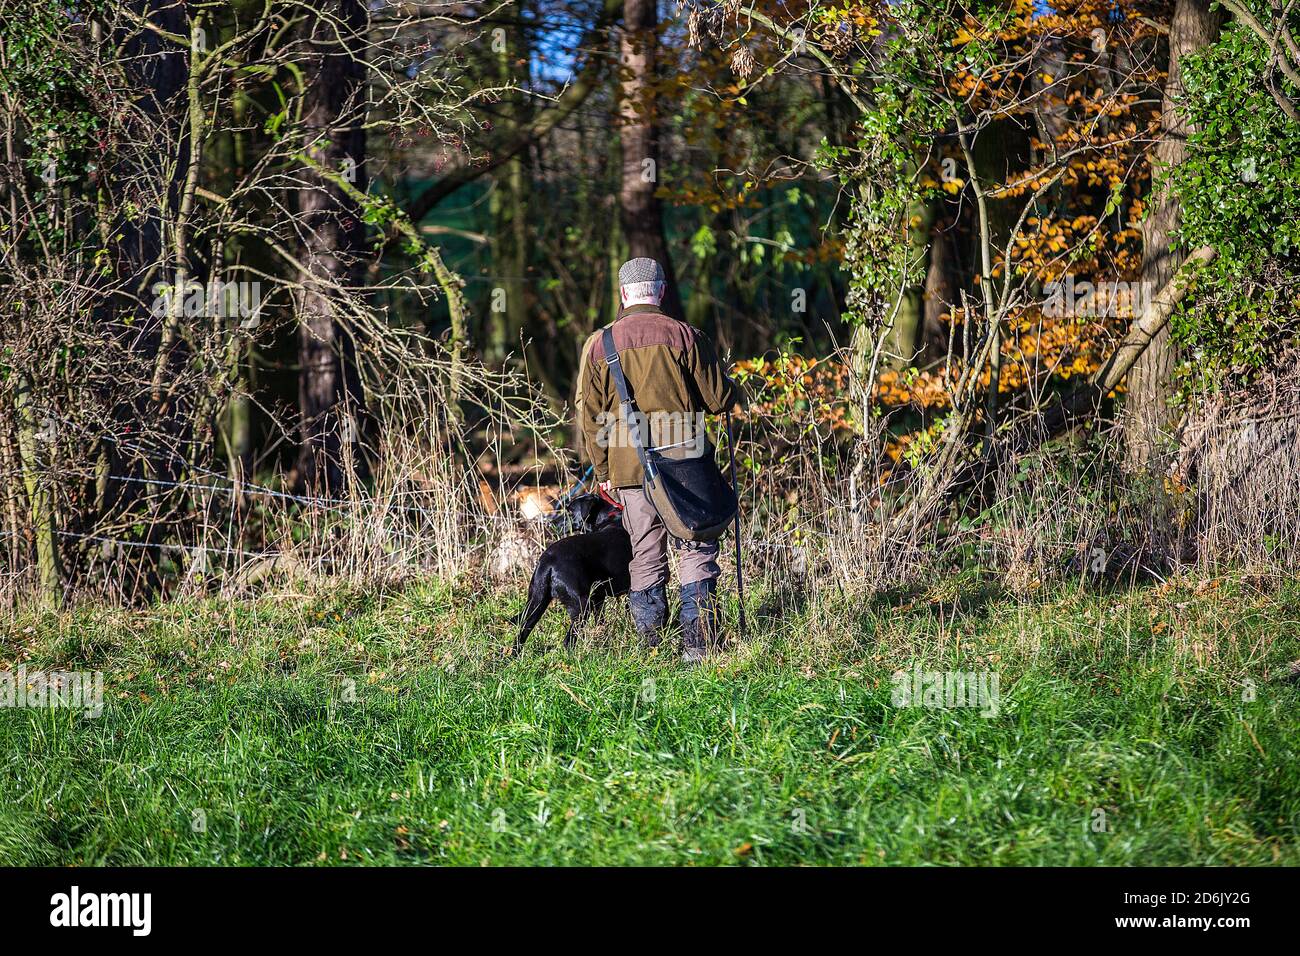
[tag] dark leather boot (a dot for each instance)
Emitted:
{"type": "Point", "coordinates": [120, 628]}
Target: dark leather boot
{"type": "Point", "coordinates": [701, 632]}
{"type": "Point", "coordinates": [693, 646]}
{"type": "Point", "coordinates": [649, 613]}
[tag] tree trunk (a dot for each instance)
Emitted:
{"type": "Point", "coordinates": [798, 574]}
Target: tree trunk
{"type": "Point", "coordinates": [39, 498]}
{"type": "Point", "coordinates": [940, 293]}
{"type": "Point", "coordinates": [1147, 413]}
{"type": "Point", "coordinates": [507, 313]}
{"type": "Point", "coordinates": [903, 337]}
{"type": "Point", "coordinates": [145, 189]}
{"type": "Point", "coordinates": [238, 423]}
{"type": "Point", "coordinates": [330, 400]}
{"type": "Point", "coordinates": [642, 212]}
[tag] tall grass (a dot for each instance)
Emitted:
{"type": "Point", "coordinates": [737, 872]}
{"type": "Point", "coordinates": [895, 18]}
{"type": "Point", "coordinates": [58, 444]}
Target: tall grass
{"type": "Point", "coordinates": [1136, 726]}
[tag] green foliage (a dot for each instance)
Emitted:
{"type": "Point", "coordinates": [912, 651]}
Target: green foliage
{"type": "Point", "coordinates": [882, 167]}
{"type": "Point", "coordinates": [62, 135]}
{"type": "Point", "coordinates": [704, 243]}
{"type": "Point", "coordinates": [1240, 193]}
{"type": "Point", "coordinates": [906, 107]}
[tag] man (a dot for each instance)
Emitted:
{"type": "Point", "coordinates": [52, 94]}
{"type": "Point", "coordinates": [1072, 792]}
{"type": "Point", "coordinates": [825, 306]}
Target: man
{"type": "Point", "coordinates": [675, 378]}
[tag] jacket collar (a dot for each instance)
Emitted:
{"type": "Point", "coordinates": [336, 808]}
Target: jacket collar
{"type": "Point", "coordinates": [644, 308]}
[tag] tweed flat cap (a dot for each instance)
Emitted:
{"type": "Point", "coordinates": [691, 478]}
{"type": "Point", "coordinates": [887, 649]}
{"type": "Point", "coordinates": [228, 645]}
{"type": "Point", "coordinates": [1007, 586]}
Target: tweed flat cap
{"type": "Point", "coordinates": [640, 270]}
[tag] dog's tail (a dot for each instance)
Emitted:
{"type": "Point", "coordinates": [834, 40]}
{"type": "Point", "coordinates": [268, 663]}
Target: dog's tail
{"type": "Point", "coordinates": [539, 599]}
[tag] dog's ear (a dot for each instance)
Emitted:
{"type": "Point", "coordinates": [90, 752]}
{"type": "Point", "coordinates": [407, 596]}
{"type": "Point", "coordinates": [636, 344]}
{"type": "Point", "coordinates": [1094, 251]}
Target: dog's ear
{"type": "Point", "coordinates": [607, 515]}
{"type": "Point", "coordinates": [582, 511]}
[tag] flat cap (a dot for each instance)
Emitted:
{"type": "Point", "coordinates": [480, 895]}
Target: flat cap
{"type": "Point", "coordinates": [640, 270]}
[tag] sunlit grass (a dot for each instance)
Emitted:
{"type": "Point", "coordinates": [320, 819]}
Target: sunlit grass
{"type": "Point", "coordinates": [388, 728]}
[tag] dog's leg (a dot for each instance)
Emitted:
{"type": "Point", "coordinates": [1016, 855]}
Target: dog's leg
{"type": "Point", "coordinates": [575, 622]}
{"type": "Point", "coordinates": [602, 592]}
{"type": "Point", "coordinates": [539, 599]}
{"type": "Point", "coordinates": [577, 605]}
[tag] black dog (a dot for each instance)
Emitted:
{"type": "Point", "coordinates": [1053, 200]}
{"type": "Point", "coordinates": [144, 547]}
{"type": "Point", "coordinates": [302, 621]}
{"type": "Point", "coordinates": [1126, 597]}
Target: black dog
{"type": "Point", "coordinates": [582, 570]}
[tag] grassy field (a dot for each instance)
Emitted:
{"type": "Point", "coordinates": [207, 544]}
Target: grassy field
{"type": "Point", "coordinates": [388, 728]}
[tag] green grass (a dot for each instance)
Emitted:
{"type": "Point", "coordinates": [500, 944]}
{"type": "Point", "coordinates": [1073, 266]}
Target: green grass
{"type": "Point", "coordinates": [1129, 702]}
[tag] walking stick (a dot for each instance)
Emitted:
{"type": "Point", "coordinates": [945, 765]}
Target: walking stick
{"type": "Point", "coordinates": [735, 484]}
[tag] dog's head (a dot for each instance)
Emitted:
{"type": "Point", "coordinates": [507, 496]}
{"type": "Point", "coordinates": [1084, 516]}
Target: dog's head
{"type": "Point", "coordinates": [590, 513]}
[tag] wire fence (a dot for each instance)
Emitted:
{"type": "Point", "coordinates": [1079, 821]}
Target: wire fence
{"type": "Point", "coordinates": [456, 523]}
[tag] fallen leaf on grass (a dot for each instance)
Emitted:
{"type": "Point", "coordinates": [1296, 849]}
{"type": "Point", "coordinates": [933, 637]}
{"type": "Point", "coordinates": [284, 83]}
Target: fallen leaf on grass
{"type": "Point", "coordinates": [1254, 740]}
{"type": "Point", "coordinates": [564, 687]}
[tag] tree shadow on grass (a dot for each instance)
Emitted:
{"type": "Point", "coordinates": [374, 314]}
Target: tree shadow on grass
{"type": "Point", "coordinates": [918, 598]}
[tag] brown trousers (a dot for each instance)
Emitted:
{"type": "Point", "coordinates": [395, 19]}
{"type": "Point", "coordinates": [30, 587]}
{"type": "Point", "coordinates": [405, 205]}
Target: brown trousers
{"type": "Point", "coordinates": [696, 560]}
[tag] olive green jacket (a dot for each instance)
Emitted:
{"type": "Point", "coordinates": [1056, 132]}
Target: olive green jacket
{"type": "Point", "coordinates": [675, 378]}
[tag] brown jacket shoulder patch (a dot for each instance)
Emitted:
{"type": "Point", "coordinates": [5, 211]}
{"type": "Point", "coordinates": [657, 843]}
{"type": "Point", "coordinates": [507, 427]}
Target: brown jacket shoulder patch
{"type": "Point", "coordinates": [643, 330]}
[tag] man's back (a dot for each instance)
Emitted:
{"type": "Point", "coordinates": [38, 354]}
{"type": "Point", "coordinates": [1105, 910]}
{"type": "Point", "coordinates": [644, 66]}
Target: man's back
{"type": "Point", "coordinates": [675, 378]}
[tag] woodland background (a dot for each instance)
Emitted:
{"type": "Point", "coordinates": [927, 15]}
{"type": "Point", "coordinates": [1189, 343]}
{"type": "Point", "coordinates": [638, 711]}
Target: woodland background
{"type": "Point", "coordinates": [297, 289]}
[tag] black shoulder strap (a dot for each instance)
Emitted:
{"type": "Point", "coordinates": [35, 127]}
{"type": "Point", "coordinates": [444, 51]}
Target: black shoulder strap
{"type": "Point", "coordinates": [616, 367]}
{"type": "Point", "coordinates": [631, 414]}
